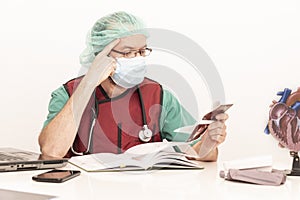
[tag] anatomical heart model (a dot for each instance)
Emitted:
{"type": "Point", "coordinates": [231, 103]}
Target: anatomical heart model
{"type": "Point", "coordinates": [284, 124]}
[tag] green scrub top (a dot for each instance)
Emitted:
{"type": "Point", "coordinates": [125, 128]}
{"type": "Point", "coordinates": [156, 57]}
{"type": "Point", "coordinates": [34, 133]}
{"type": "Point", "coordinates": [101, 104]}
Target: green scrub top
{"type": "Point", "coordinates": [173, 115]}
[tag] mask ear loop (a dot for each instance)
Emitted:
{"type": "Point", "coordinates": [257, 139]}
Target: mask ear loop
{"type": "Point", "coordinates": [145, 134]}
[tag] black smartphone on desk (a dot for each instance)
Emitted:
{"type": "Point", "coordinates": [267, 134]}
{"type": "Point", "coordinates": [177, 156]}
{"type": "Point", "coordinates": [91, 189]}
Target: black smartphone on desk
{"type": "Point", "coordinates": [56, 176]}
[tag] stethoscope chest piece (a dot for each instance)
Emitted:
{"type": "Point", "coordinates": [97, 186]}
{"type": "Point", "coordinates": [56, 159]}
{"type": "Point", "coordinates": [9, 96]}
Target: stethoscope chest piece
{"type": "Point", "coordinates": [145, 134]}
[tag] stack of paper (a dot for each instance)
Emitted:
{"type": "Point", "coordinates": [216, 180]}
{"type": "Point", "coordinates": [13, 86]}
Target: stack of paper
{"type": "Point", "coordinates": [250, 162]}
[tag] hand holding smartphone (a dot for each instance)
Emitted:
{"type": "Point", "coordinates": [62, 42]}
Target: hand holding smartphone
{"type": "Point", "coordinates": [56, 176]}
{"type": "Point", "coordinates": [208, 143]}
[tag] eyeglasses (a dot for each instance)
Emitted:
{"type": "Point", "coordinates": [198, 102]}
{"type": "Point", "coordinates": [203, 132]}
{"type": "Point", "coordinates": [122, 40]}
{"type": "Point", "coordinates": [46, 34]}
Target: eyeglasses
{"type": "Point", "coordinates": [131, 54]}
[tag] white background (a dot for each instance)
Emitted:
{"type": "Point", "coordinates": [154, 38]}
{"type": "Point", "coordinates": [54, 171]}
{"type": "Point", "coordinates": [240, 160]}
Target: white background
{"type": "Point", "coordinates": [254, 44]}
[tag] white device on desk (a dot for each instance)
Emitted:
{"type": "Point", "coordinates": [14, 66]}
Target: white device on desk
{"type": "Point", "coordinates": [263, 161]}
{"type": "Point", "coordinates": [13, 195]}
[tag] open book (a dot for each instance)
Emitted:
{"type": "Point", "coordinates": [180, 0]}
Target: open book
{"type": "Point", "coordinates": [146, 156]}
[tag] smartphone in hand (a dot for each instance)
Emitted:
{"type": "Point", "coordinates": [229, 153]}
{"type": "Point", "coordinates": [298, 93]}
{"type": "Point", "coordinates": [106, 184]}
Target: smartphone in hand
{"type": "Point", "coordinates": [220, 109]}
{"type": "Point", "coordinates": [56, 176]}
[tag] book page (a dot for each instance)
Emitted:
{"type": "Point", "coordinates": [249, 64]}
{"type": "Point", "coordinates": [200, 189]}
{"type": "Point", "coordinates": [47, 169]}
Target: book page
{"type": "Point", "coordinates": [164, 152]}
{"type": "Point", "coordinates": [165, 146]}
{"type": "Point", "coordinates": [175, 160]}
{"type": "Point", "coordinates": [143, 156]}
{"type": "Point", "coordinates": [105, 161]}
{"type": "Point", "coordinates": [148, 148]}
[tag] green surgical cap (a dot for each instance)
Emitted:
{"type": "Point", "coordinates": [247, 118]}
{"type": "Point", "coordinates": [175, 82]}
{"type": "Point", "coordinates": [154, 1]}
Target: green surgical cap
{"type": "Point", "coordinates": [106, 30]}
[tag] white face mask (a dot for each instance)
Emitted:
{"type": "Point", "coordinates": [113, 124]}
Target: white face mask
{"type": "Point", "coordinates": [130, 71]}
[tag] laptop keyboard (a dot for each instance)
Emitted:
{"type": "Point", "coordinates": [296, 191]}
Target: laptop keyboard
{"type": "Point", "coordinates": [5, 157]}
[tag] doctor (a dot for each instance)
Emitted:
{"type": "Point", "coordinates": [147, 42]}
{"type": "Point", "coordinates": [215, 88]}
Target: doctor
{"type": "Point", "coordinates": [114, 106]}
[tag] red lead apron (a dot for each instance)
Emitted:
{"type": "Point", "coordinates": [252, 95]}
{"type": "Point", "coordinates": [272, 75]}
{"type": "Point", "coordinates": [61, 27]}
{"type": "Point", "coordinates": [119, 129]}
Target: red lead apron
{"type": "Point", "coordinates": [119, 119]}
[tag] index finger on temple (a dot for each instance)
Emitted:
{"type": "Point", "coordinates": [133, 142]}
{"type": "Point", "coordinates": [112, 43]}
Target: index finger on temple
{"type": "Point", "coordinates": [110, 46]}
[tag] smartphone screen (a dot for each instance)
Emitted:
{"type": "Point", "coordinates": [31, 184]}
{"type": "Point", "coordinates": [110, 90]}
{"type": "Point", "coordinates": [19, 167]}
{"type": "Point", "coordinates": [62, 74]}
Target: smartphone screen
{"type": "Point", "coordinates": [56, 176]}
{"type": "Point", "coordinates": [220, 109]}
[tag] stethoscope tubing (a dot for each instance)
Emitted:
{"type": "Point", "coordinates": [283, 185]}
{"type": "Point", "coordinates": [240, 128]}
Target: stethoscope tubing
{"type": "Point", "coordinates": [145, 133]}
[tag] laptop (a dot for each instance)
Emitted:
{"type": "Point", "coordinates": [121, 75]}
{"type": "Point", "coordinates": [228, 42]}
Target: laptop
{"type": "Point", "coordinates": [12, 159]}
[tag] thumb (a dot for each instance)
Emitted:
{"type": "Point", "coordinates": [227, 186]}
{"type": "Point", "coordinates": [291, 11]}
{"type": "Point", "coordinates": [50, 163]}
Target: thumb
{"type": "Point", "coordinates": [110, 46]}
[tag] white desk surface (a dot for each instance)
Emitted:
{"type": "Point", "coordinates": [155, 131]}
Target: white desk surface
{"type": "Point", "coordinates": [163, 184]}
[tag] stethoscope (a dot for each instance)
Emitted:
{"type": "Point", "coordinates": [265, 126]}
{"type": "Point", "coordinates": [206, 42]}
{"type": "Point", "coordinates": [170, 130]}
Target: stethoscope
{"type": "Point", "coordinates": [145, 133]}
